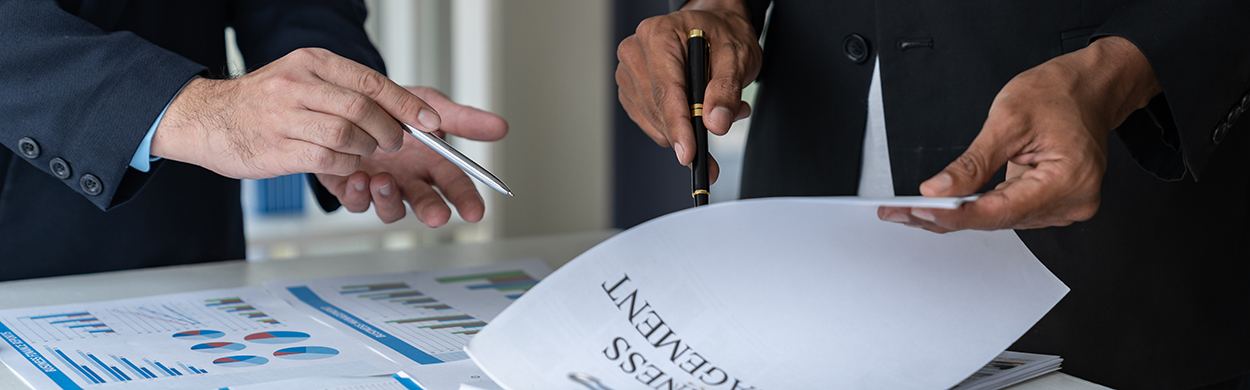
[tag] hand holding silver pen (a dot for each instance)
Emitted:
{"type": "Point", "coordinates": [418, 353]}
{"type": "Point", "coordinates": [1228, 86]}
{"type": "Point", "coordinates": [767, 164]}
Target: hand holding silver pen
{"type": "Point", "coordinates": [417, 174]}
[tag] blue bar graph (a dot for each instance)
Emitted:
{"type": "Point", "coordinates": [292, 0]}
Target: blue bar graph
{"type": "Point", "coordinates": [95, 378]}
{"type": "Point", "coordinates": [149, 372]}
{"type": "Point", "coordinates": [160, 366]}
{"type": "Point", "coordinates": [73, 320]}
{"type": "Point", "coordinates": [70, 362]}
{"type": "Point", "coordinates": [100, 364]}
{"type": "Point", "coordinates": [80, 321]}
{"type": "Point", "coordinates": [61, 315]}
{"type": "Point", "coordinates": [133, 368]}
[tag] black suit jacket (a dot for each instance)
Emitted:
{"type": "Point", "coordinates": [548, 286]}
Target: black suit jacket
{"type": "Point", "coordinates": [84, 80]}
{"type": "Point", "coordinates": [1160, 277]}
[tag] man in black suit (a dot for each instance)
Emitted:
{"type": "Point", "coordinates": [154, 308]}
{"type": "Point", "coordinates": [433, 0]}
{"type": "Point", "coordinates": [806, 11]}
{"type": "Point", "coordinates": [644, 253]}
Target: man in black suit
{"type": "Point", "coordinates": [95, 90]}
{"type": "Point", "coordinates": [900, 97]}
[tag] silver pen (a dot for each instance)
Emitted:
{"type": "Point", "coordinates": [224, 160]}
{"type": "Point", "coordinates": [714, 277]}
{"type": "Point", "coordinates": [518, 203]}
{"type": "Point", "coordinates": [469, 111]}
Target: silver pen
{"type": "Point", "coordinates": [453, 155]}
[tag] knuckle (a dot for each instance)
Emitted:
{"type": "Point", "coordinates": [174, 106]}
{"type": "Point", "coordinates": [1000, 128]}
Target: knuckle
{"type": "Point", "coordinates": [338, 134]}
{"type": "Point", "coordinates": [357, 106]}
{"type": "Point", "coordinates": [371, 83]}
{"type": "Point", "coordinates": [972, 162]}
{"type": "Point", "coordinates": [320, 159]}
{"type": "Point", "coordinates": [648, 26]}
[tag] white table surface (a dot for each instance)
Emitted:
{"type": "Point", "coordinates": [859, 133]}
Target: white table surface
{"type": "Point", "coordinates": [555, 250]}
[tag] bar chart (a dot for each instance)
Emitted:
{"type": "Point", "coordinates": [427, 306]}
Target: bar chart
{"type": "Point", "coordinates": [398, 299]}
{"type": "Point", "coordinates": [93, 369]}
{"type": "Point", "coordinates": [236, 306]}
{"type": "Point", "coordinates": [69, 326]}
{"type": "Point", "coordinates": [512, 283]}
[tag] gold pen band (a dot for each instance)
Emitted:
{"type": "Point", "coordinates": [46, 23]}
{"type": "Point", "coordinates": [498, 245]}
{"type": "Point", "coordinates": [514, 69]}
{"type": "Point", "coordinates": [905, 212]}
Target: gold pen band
{"type": "Point", "coordinates": [696, 33]}
{"type": "Point", "coordinates": [696, 109]}
{"type": "Point", "coordinates": [698, 192]}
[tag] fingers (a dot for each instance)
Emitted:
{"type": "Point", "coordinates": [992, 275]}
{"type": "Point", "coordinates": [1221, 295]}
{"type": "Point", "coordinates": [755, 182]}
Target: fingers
{"type": "Point", "coordinates": [391, 97]}
{"type": "Point", "coordinates": [668, 92]}
{"type": "Point", "coordinates": [459, 189]}
{"type": "Point", "coordinates": [356, 193]}
{"type": "Point", "coordinates": [722, 100]}
{"type": "Point", "coordinates": [387, 202]}
{"type": "Point", "coordinates": [313, 158]}
{"type": "Point", "coordinates": [426, 203]}
{"type": "Point", "coordinates": [975, 167]}
{"type": "Point", "coordinates": [337, 134]}
{"type": "Point", "coordinates": [713, 169]}
{"type": "Point", "coordinates": [464, 121]}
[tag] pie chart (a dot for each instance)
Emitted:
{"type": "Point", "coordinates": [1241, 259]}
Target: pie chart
{"type": "Point", "coordinates": [241, 361]}
{"type": "Point", "coordinates": [198, 335]}
{"type": "Point", "coordinates": [277, 337]}
{"type": "Point", "coordinates": [218, 347]}
{"type": "Point", "coordinates": [306, 353]}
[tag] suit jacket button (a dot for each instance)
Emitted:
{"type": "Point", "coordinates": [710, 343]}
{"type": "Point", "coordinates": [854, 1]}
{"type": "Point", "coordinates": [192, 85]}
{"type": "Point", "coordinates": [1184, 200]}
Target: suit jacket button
{"type": "Point", "coordinates": [59, 168]}
{"type": "Point", "coordinates": [1220, 132]}
{"type": "Point", "coordinates": [91, 184]}
{"type": "Point", "coordinates": [855, 47]}
{"type": "Point", "coordinates": [28, 147]}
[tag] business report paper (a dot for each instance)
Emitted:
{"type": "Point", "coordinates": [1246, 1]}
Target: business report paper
{"type": "Point", "coordinates": [420, 319]}
{"type": "Point", "coordinates": [208, 339]}
{"type": "Point", "coordinates": [798, 293]}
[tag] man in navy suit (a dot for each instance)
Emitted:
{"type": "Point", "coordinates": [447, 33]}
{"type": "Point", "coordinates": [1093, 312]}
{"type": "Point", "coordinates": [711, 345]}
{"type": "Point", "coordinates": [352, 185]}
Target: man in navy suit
{"type": "Point", "coordinates": [124, 140]}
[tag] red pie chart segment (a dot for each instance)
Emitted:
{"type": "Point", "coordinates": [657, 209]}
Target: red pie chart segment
{"type": "Point", "coordinates": [277, 337]}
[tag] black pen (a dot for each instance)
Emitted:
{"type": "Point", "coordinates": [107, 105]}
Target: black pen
{"type": "Point", "coordinates": [697, 74]}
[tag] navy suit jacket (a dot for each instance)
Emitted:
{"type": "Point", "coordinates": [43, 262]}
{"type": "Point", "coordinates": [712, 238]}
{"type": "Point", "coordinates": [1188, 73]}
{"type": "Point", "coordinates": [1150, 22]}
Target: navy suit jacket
{"type": "Point", "coordinates": [83, 81]}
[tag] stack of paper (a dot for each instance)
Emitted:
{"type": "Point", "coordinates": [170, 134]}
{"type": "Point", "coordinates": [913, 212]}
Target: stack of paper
{"type": "Point", "coordinates": [1010, 368]}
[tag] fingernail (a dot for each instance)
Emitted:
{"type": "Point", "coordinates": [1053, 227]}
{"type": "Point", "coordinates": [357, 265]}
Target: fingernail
{"type": "Point", "coordinates": [360, 186]}
{"type": "Point", "coordinates": [678, 149]}
{"type": "Point", "coordinates": [385, 190]}
{"type": "Point", "coordinates": [896, 216]}
{"type": "Point", "coordinates": [429, 119]}
{"type": "Point", "coordinates": [721, 117]}
{"type": "Point", "coordinates": [939, 183]}
{"type": "Point", "coordinates": [922, 214]}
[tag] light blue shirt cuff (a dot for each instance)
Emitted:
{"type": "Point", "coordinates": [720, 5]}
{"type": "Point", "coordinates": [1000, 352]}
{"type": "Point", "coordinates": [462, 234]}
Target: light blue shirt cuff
{"type": "Point", "coordinates": [142, 160]}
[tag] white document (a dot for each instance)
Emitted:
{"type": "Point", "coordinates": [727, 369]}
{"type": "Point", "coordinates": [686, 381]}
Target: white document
{"type": "Point", "coordinates": [208, 339]}
{"type": "Point", "coordinates": [772, 294]}
{"type": "Point", "coordinates": [420, 319]}
{"type": "Point", "coordinates": [905, 201]}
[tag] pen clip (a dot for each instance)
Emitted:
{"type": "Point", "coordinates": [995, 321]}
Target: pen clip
{"type": "Point", "coordinates": [587, 380]}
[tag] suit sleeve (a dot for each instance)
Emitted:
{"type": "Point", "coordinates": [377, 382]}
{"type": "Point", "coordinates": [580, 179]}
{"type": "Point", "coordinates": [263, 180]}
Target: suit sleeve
{"type": "Point", "coordinates": [81, 95]}
{"type": "Point", "coordinates": [758, 9]}
{"type": "Point", "coordinates": [270, 29]}
{"type": "Point", "coordinates": [1199, 54]}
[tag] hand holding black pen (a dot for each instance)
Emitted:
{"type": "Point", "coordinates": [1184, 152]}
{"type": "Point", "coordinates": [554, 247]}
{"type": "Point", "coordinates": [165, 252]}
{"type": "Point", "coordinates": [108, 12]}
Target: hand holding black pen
{"type": "Point", "coordinates": [697, 74]}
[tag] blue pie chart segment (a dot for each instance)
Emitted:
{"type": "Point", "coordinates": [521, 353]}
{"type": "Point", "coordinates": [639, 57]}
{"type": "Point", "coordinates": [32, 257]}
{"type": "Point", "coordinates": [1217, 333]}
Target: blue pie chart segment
{"type": "Point", "coordinates": [241, 361]}
{"type": "Point", "coordinates": [199, 335]}
{"type": "Point", "coordinates": [306, 353]}
{"type": "Point", "coordinates": [218, 347]}
{"type": "Point", "coordinates": [277, 337]}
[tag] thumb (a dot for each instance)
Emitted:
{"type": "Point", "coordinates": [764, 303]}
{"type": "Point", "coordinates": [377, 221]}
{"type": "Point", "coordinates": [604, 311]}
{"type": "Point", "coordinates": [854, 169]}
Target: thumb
{"type": "Point", "coordinates": [968, 173]}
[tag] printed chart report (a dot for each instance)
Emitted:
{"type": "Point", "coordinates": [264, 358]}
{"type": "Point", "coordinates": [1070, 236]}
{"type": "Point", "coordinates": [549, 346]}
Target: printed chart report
{"type": "Point", "coordinates": [420, 319]}
{"type": "Point", "coordinates": [208, 339]}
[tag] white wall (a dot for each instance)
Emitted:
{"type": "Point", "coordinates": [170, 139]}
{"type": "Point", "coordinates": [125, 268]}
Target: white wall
{"type": "Point", "coordinates": [556, 95]}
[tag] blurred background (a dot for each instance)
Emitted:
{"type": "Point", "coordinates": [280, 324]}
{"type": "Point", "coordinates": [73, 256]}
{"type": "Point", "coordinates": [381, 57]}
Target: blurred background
{"type": "Point", "coordinates": [572, 157]}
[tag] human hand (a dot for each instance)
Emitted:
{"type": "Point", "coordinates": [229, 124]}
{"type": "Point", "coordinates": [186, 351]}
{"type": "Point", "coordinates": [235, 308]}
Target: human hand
{"type": "Point", "coordinates": [1050, 126]}
{"type": "Point", "coordinates": [388, 179]}
{"type": "Point", "coordinates": [652, 78]}
{"type": "Point", "coordinates": [310, 111]}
